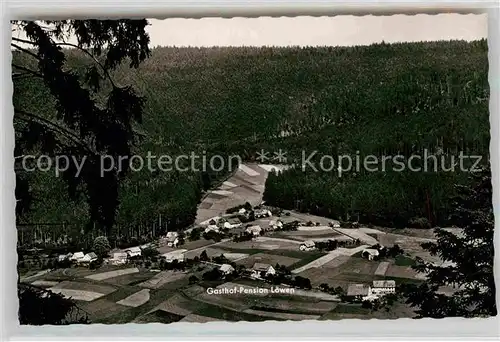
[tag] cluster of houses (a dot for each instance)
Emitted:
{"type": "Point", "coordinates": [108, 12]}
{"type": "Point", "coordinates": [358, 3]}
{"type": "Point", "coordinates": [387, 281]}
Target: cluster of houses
{"type": "Point", "coordinates": [217, 223]}
{"type": "Point", "coordinates": [378, 289]}
{"type": "Point", "coordinates": [171, 240]}
{"type": "Point", "coordinates": [256, 272]}
{"type": "Point", "coordinates": [79, 258]}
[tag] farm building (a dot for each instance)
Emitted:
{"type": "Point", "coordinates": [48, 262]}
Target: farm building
{"type": "Point", "coordinates": [211, 221]}
{"type": "Point", "coordinates": [232, 223]}
{"type": "Point", "coordinates": [383, 287]}
{"type": "Point", "coordinates": [77, 256]}
{"type": "Point", "coordinates": [118, 258]}
{"type": "Point", "coordinates": [276, 224]}
{"type": "Point", "coordinates": [88, 258]}
{"type": "Point", "coordinates": [172, 239]}
{"type": "Point", "coordinates": [370, 253]}
{"type": "Point", "coordinates": [175, 255]}
{"type": "Point", "coordinates": [307, 245]}
{"type": "Point", "coordinates": [261, 213]}
{"type": "Point", "coordinates": [212, 227]}
{"type": "Point", "coordinates": [258, 268]}
{"type": "Point", "coordinates": [133, 252]}
{"type": "Point", "coordinates": [226, 269]}
{"type": "Point", "coordinates": [63, 257]}
{"type": "Point", "coordinates": [358, 291]}
{"type": "Point", "coordinates": [255, 230]}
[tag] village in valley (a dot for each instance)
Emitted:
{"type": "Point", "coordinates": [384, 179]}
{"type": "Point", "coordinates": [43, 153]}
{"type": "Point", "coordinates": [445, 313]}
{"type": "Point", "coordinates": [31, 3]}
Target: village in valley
{"type": "Point", "coordinates": [241, 260]}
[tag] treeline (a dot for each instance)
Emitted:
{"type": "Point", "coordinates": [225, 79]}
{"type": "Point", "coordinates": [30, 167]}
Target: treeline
{"type": "Point", "coordinates": [380, 99]}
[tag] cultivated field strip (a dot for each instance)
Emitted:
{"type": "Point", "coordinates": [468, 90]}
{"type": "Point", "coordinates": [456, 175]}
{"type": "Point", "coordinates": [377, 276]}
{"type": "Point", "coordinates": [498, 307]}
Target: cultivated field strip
{"type": "Point", "coordinates": [329, 257]}
{"type": "Point", "coordinates": [112, 274]}
{"type": "Point", "coordinates": [382, 268]}
{"type": "Point", "coordinates": [136, 299]}
{"type": "Point", "coordinates": [44, 283]}
{"type": "Point", "coordinates": [162, 278]}
{"type": "Point", "coordinates": [81, 295]}
{"type": "Point", "coordinates": [245, 185]}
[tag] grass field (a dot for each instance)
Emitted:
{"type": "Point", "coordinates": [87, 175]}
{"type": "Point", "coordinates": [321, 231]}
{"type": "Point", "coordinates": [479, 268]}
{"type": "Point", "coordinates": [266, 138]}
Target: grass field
{"type": "Point", "coordinates": [260, 245]}
{"type": "Point", "coordinates": [136, 299]}
{"type": "Point", "coordinates": [214, 252]}
{"type": "Point", "coordinates": [402, 260]}
{"type": "Point", "coordinates": [126, 316]}
{"type": "Point", "coordinates": [130, 279]}
{"type": "Point", "coordinates": [121, 293]}
{"type": "Point", "coordinates": [358, 266]}
{"type": "Point", "coordinates": [307, 258]}
{"type": "Point", "coordinates": [160, 279]}
{"type": "Point", "coordinates": [271, 259]}
{"type": "Point", "coordinates": [102, 308]}
{"type": "Point", "coordinates": [85, 286]}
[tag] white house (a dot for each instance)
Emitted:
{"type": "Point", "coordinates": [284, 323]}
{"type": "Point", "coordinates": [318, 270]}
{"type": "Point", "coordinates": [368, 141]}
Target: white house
{"type": "Point", "coordinates": [77, 256]}
{"type": "Point", "coordinates": [232, 223]}
{"type": "Point", "coordinates": [370, 253]}
{"type": "Point", "coordinates": [255, 230]}
{"type": "Point", "coordinates": [172, 234]}
{"type": "Point", "coordinates": [307, 245]}
{"type": "Point", "coordinates": [88, 258]}
{"type": "Point", "coordinates": [258, 268]}
{"type": "Point", "coordinates": [63, 257]}
{"type": "Point", "coordinates": [275, 224]}
{"type": "Point", "coordinates": [172, 239]}
{"type": "Point", "coordinates": [358, 291]}
{"type": "Point", "coordinates": [118, 258]}
{"type": "Point", "coordinates": [211, 227]}
{"type": "Point", "coordinates": [133, 252]}
{"type": "Point", "coordinates": [175, 255]}
{"type": "Point", "coordinates": [226, 269]}
{"type": "Point", "coordinates": [383, 287]}
{"type": "Point", "coordinates": [242, 211]}
{"type": "Point", "coordinates": [215, 219]}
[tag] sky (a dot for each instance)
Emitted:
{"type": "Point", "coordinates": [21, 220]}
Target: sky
{"type": "Point", "coordinates": [316, 31]}
{"type": "Point", "coordinates": [313, 31]}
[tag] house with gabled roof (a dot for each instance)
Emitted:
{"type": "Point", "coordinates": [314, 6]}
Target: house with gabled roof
{"type": "Point", "coordinates": [383, 287]}
{"type": "Point", "coordinates": [226, 269]}
{"type": "Point", "coordinates": [307, 245]}
{"type": "Point", "coordinates": [259, 269]}
{"type": "Point", "coordinates": [254, 230]}
{"type": "Point", "coordinates": [133, 252]}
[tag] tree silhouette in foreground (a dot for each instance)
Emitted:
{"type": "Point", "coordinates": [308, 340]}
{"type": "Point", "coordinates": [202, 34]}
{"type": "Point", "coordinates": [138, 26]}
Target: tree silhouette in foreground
{"type": "Point", "coordinates": [93, 117]}
{"type": "Point", "coordinates": [468, 260]}
{"type": "Point", "coordinates": [38, 306]}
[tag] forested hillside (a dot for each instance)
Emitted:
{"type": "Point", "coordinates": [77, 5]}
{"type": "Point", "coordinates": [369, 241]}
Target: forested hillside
{"type": "Point", "coordinates": [380, 99]}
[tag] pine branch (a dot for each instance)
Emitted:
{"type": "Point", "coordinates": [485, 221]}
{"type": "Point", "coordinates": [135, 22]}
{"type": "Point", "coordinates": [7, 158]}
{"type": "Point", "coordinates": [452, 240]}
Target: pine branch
{"type": "Point", "coordinates": [24, 50]}
{"type": "Point", "coordinates": [29, 71]}
{"type": "Point", "coordinates": [29, 117]}
{"type": "Point", "coordinates": [94, 58]}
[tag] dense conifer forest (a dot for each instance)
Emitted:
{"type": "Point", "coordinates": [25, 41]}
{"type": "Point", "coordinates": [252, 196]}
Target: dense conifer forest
{"type": "Point", "coordinates": [383, 99]}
